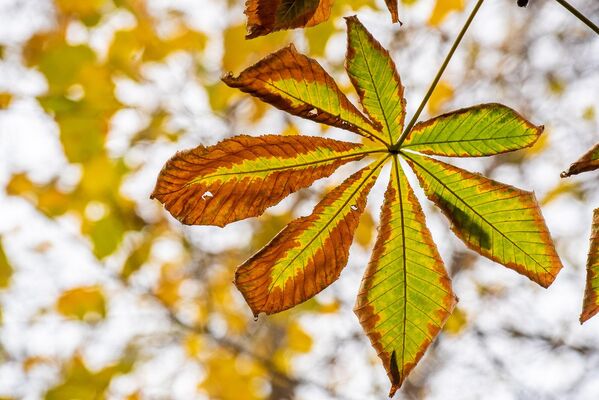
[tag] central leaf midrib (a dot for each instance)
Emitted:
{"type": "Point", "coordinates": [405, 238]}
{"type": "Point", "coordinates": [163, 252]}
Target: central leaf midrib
{"type": "Point", "coordinates": [412, 144]}
{"type": "Point", "coordinates": [405, 277]}
{"type": "Point", "coordinates": [299, 165]}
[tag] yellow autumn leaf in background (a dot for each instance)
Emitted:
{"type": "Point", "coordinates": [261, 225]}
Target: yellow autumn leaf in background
{"type": "Point", "coordinates": [442, 9]}
{"type": "Point", "coordinates": [84, 303]}
{"type": "Point", "coordinates": [5, 268]}
{"type": "Point", "coordinates": [5, 100]}
{"type": "Point", "coordinates": [443, 93]}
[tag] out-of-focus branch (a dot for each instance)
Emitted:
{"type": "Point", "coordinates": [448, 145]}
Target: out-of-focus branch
{"type": "Point", "coordinates": [281, 380]}
{"type": "Point", "coordinates": [579, 15]}
{"type": "Point", "coordinates": [552, 342]}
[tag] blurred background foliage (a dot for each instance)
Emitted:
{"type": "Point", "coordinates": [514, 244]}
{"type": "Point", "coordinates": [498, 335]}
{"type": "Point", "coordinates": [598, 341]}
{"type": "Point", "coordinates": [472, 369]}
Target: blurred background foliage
{"type": "Point", "coordinates": [104, 295]}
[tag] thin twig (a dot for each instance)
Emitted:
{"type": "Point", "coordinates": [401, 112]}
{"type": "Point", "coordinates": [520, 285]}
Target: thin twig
{"type": "Point", "coordinates": [454, 47]}
{"type": "Point", "coordinates": [579, 15]}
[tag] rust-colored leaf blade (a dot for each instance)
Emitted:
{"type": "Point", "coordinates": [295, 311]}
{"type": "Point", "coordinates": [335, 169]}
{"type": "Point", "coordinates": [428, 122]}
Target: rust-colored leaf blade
{"type": "Point", "coordinates": [588, 162]}
{"type": "Point", "coordinates": [406, 295]}
{"type": "Point", "coordinates": [299, 85]}
{"type": "Point", "coordinates": [374, 75]}
{"type": "Point", "coordinates": [309, 254]}
{"type": "Point", "coordinates": [498, 221]}
{"type": "Point", "coordinates": [482, 130]}
{"type": "Point", "coordinates": [242, 176]}
{"type": "Point", "coordinates": [266, 16]}
{"type": "Point", "coordinates": [590, 305]}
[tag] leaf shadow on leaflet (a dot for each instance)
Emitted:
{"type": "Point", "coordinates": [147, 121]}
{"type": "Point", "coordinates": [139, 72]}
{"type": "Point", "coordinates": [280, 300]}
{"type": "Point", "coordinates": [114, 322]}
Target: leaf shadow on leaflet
{"type": "Point", "coordinates": [465, 223]}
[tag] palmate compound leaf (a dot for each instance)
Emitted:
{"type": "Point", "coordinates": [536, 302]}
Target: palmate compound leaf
{"type": "Point", "coordinates": [266, 16]}
{"type": "Point", "coordinates": [406, 295]}
{"type": "Point", "coordinates": [241, 177]}
{"type": "Point", "coordinates": [590, 305]}
{"type": "Point", "coordinates": [588, 162]}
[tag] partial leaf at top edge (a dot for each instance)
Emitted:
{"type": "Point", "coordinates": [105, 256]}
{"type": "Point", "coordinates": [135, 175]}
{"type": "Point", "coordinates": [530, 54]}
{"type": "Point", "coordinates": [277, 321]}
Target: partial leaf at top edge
{"type": "Point", "coordinates": [309, 254]}
{"type": "Point", "coordinates": [588, 162]}
{"type": "Point", "coordinates": [406, 295]}
{"type": "Point", "coordinates": [482, 130]}
{"type": "Point", "coordinates": [374, 75]}
{"type": "Point", "coordinates": [496, 220]}
{"type": "Point", "coordinates": [393, 9]}
{"type": "Point", "coordinates": [242, 176]}
{"type": "Point", "coordinates": [298, 84]}
{"type": "Point", "coordinates": [591, 295]}
{"type": "Point", "coordinates": [266, 16]}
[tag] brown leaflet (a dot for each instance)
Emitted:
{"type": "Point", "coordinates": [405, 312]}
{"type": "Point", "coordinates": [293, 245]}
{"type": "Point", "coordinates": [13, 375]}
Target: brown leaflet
{"type": "Point", "coordinates": [192, 194]}
{"type": "Point", "coordinates": [266, 16]}
{"type": "Point", "coordinates": [588, 162]}
{"type": "Point", "coordinates": [309, 253]}
{"type": "Point", "coordinates": [393, 9]}
{"type": "Point", "coordinates": [591, 300]}
{"type": "Point", "coordinates": [300, 86]}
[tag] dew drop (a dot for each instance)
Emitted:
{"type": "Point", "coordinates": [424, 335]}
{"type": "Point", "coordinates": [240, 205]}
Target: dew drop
{"type": "Point", "coordinates": [207, 195]}
{"type": "Point", "coordinates": [313, 112]}
{"type": "Point", "coordinates": [354, 207]}
{"type": "Point", "coordinates": [256, 318]}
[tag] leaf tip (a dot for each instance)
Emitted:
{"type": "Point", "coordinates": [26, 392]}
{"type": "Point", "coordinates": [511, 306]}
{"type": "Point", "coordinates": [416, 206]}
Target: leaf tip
{"type": "Point", "coordinates": [395, 375]}
{"type": "Point", "coordinates": [587, 313]}
{"type": "Point", "coordinates": [394, 389]}
{"type": "Point", "coordinates": [228, 78]}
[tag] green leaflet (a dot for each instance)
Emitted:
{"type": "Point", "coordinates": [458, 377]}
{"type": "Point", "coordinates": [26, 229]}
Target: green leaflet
{"type": "Point", "coordinates": [482, 130]}
{"type": "Point", "coordinates": [299, 85]}
{"type": "Point", "coordinates": [376, 80]}
{"type": "Point", "coordinates": [496, 220]}
{"type": "Point", "coordinates": [406, 296]}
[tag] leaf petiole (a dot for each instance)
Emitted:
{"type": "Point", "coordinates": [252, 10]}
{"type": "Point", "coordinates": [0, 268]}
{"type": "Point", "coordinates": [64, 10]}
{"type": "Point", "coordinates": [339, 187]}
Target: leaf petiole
{"type": "Point", "coordinates": [454, 47]}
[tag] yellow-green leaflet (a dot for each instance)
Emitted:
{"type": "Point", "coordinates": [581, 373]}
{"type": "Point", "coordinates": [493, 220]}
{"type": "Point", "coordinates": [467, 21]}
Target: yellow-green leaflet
{"type": "Point", "coordinates": [309, 254]}
{"type": "Point", "coordinates": [299, 85]}
{"type": "Point", "coordinates": [591, 295]}
{"type": "Point", "coordinates": [406, 294]}
{"type": "Point", "coordinates": [482, 130]}
{"type": "Point", "coordinates": [496, 220]}
{"type": "Point", "coordinates": [376, 80]}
